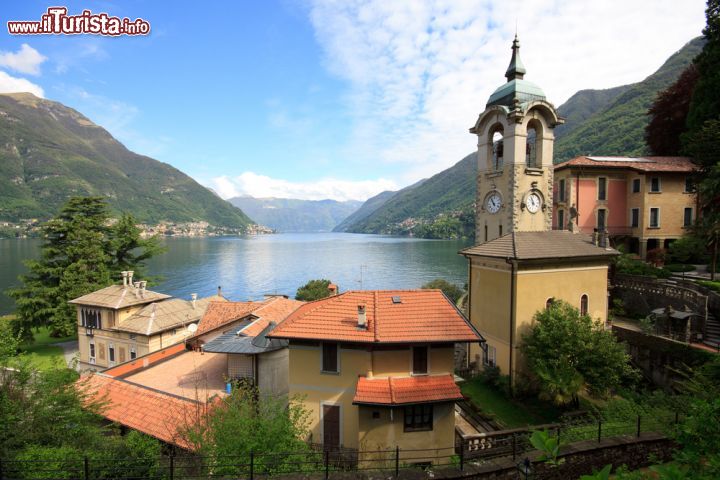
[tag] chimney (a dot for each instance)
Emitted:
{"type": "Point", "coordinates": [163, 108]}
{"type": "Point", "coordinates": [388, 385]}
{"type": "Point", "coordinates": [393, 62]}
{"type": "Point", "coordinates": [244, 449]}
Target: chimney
{"type": "Point", "coordinates": [333, 289]}
{"type": "Point", "coordinates": [130, 277]}
{"type": "Point", "coordinates": [137, 289]}
{"type": "Point", "coordinates": [143, 285]}
{"type": "Point", "coordinates": [125, 278]}
{"type": "Point", "coordinates": [219, 291]}
{"type": "Point", "coordinates": [362, 318]}
{"type": "Point", "coordinates": [193, 298]}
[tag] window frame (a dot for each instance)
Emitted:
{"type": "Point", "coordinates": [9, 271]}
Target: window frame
{"type": "Point", "coordinates": [413, 349]}
{"type": "Point", "coordinates": [489, 356]}
{"type": "Point", "coordinates": [425, 409]}
{"type": "Point", "coordinates": [652, 186]}
{"type": "Point", "coordinates": [636, 183]}
{"type": "Point", "coordinates": [323, 345]}
{"type": "Point", "coordinates": [561, 219]}
{"type": "Point", "coordinates": [91, 351]}
{"type": "Point", "coordinates": [687, 222]}
{"type": "Point", "coordinates": [111, 353]}
{"type": "Point", "coordinates": [561, 190]}
{"type": "Point", "coordinates": [634, 218]}
{"type": "Point", "coordinates": [604, 182]}
{"type": "Point", "coordinates": [650, 218]}
{"type": "Point", "coordinates": [584, 304]}
{"type": "Point", "coordinates": [132, 352]}
{"type": "Point", "coordinates": [689, 183]}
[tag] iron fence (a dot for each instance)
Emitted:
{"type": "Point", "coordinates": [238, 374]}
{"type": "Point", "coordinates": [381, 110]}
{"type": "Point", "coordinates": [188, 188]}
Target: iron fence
{"type": "Point", "coordinates": [324, 462]}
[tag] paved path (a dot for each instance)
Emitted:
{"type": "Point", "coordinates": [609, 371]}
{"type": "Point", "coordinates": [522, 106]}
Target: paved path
{"type": "Point", "coordinates": [70, 350]}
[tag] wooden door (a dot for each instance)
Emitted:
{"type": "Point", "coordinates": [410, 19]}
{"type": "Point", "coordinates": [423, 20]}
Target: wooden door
{"type": "Point", "coordinates": [331, 426]}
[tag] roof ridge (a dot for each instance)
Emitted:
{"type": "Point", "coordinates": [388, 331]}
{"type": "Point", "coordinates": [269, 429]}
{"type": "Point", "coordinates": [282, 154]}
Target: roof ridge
{"type": "Point", "coordinates": [289, 320]}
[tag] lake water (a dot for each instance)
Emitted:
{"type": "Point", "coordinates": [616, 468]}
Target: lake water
{"type": "Point", "coordinates": [248, 267]}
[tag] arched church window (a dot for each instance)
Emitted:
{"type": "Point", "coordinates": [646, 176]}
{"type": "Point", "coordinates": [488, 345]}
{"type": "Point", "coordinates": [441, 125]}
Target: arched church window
{"type": "Point", "coordinates": [584, 305]}
{"type": "Point", "coordinates": [497, 150]}
{"type": "Point", "coordinates": [549, 303]}
{"type": "Point", "coordinates": [531, 148]}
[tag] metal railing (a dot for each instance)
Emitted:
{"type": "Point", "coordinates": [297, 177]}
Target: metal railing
{"type": "Point", "coordinates": [325, 461]}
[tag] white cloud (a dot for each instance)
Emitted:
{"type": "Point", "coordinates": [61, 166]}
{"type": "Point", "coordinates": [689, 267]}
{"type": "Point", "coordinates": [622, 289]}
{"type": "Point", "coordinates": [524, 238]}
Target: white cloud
{"type": "Point", "coordinates": [10, 84]}
{"type": "Point", "coordinates": [419, 73]}
{"type": "Point", "coordinates": [26, 60]}
{"type": "Point", "coordinates": [249, 183]}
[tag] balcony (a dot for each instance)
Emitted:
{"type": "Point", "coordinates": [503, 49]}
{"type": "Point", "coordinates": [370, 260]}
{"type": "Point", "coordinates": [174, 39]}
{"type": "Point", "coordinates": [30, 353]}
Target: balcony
{"type": "Point", "coordinates": [89, 331]}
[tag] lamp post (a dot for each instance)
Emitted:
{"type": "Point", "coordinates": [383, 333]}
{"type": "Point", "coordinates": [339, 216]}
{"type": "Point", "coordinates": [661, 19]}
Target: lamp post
{"type": "Point", "coordinates": [525, 470]}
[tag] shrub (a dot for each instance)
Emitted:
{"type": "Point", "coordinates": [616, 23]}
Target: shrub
{"type": "Point", "coordinates": [714, 286]}
{"type": "Point", "coordinates": [631, 266]}
{"type": "Point", "coordinates": [688, 249]}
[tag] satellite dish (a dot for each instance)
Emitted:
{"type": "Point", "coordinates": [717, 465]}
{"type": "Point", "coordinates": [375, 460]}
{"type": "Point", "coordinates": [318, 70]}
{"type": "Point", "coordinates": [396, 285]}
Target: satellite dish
{"type": "Point", "coordinates": [192, 328]}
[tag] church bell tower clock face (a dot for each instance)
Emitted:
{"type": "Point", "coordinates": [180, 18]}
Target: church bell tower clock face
{"type": "Point", "coordinates": [533, 203]}
{"type": "Point", "coordinates": [493, 202]}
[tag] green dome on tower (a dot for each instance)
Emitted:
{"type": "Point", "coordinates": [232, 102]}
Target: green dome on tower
{"type": "Point", "coordinates": [516, 87]}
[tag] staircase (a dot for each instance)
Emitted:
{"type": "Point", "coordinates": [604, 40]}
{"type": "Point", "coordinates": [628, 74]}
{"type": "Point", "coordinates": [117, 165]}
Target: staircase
{"type": "Point", "coordinates": [712, 332]}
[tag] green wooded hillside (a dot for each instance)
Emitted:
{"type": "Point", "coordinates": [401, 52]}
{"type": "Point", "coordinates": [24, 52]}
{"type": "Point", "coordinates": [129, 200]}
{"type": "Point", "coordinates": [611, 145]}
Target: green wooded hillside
{"type": "Point", "coordinates": [49, 152]}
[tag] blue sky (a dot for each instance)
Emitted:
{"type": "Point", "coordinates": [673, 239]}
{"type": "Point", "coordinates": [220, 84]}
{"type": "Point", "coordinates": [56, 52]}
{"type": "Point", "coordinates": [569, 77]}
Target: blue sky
{"type": "Point", "coordinates": [328, 99]}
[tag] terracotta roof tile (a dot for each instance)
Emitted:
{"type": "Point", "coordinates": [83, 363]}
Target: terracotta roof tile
{"type": "Point", "coordinates": [273, 309]}
{"type": "Point", "coordinates": [406, 390]}
{"type": "Point", "coordinates": [419, 316]}
{"type": "Point", "coordinates": [154, 413]}
{"type": "Point", "coordinates": [640, 164]}
{"type": "Point", "coordinates": [556, 244]}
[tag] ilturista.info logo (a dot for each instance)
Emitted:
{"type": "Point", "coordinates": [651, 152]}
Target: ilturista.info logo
{"type": "Point", "coordinates": [56, 21]}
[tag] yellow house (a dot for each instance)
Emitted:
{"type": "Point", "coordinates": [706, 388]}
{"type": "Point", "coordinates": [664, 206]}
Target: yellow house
{"type": "Point", "coordinates": [514, 276]}
{"type": "Point", "coordinates": [119, 323]}
{"type": "Point", "coordinates": [375, 369]}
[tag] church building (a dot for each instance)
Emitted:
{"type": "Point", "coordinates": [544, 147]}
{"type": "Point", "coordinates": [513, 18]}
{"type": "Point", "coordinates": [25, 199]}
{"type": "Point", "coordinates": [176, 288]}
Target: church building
{"type": "Point", "coordinates": [520, 264]}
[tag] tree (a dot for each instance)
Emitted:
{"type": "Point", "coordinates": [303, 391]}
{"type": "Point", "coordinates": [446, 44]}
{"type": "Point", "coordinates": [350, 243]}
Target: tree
{"type": "Point", "coordinates": [705, 103]}
{"type": "Point", "coordinates": [128, 249]}
{"type": "Point", "coordinates": [566, 351]}
{"type": "Point", "coordinates": [80, 254]}
{"type": "Point", "coordinates": [668, 115]}
{"type": "Point", "coordinates": [248, 421]}
{"type": "Point", "coordinates": [704, 146]}
{"type": "Point", "coordinates": [73, 260]}
{"type": "Point", "coordinates": [313, 290]}
{"type": "Point", "coordinates": [452, 291]}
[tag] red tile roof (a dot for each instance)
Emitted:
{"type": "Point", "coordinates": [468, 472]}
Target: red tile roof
{"type": "Point", "coordinates": [145, 361]}
{"type": "Point", "coordinates": [220, 314]}
{"type": "Point", "coordinates": [274, 310]}
{"type": "Point", "coordinates": [154, 413]}
{"type": "Point", "coordinates": [406, 390]}
{"type": "Point", "coordinates": [419, 316]}
{"type": "Point", "coordinates": [641, 164]}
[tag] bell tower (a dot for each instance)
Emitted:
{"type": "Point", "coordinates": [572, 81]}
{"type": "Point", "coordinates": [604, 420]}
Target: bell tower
{"type": "Point", "coordinates": [515, 157]}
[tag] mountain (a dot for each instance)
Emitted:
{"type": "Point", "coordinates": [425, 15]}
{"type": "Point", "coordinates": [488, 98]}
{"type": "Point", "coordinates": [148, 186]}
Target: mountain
{"type": "Point", "coordinates": [291, 215]}
{"type": "Point", "coordinates": [451, 191]}
{"type": "Point", "coordinates": [614, 124]}
{"type": "Point", "coordinates": [50, 152]}
{"type": "Point", "coordinates": [367, 208]}
{"type": "Point", "coordinates": [598, 122]}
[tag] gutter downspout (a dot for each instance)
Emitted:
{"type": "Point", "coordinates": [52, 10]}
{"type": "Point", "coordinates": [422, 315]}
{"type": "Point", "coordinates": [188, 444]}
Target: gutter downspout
{"type": "Point", "coordinates": [513, 269]}
{"type": "Point", "coordinates": [469, 308]}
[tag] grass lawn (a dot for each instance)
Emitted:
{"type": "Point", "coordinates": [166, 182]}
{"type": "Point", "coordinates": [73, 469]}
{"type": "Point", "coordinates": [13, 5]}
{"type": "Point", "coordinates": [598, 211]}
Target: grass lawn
{"type": "Point", "coordinates": [509, 413]}
{"type": "Point", "coordinates": [43, 352]}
